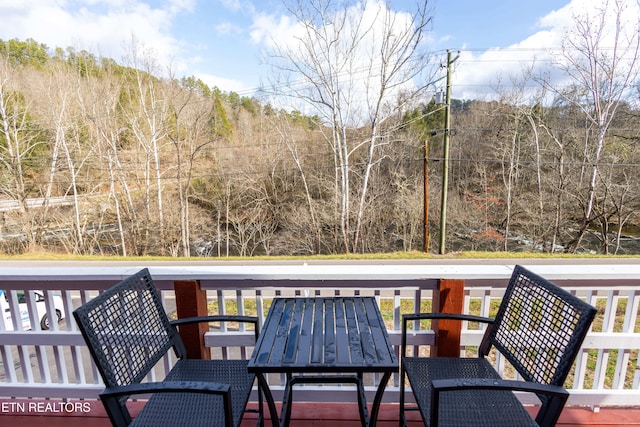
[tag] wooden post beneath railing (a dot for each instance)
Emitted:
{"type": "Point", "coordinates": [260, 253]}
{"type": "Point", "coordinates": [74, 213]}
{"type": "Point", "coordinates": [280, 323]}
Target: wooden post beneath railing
{"type": "Point", "coordinates": [448, 299]}
{"type": "Point", "coordinates": [191, 301]}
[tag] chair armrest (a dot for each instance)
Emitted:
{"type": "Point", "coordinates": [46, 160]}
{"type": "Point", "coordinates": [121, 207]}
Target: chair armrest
{"type": "Point", "coordinates": [218, 318]}
{"type": "Point", "coordinates": [444, 385]}
{"type": "Point", "coordinates": [168, 387]}
{"type": "Point", "coordinates": [453, 316]}
{"type": "Point", "coordinates": [215, 318]}
{"type": "Point", "coordinates": [406, 318]}
{"type": "Point", "coordinates": [438, 386]}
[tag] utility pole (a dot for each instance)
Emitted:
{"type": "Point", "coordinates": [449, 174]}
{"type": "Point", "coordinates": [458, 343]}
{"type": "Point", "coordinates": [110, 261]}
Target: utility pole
{"type": "Point", "coordinates": [426, 195]}
{"type": "Point", "coordinates": [445, 155]}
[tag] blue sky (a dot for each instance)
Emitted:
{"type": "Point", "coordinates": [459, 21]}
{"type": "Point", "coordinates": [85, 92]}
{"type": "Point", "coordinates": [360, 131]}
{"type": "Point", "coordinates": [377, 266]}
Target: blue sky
{"type": "Point", "coordinates": [222, 41]}
{"type": "Point", "coordinates": [482, 24]}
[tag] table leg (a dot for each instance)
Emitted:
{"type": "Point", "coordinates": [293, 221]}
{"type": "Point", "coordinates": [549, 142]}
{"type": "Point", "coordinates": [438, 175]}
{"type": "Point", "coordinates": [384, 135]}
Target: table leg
{"type": "Point", "coordinates": [378, 399]}
{"type": "Point", "coordinates": [264, 385]}
{"type": "Point", "coordinates": [285, 415]}
{"type": "Point", "coordinates": [362, 401]}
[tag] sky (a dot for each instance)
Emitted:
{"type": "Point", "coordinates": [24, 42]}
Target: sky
{"type": "Point", "coordinates": [222, 42]}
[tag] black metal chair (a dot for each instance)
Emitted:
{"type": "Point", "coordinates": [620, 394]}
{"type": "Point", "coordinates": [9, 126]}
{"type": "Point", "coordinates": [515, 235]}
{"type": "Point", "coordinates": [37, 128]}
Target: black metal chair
{"type": "Point", "coordinates": [538, 329]}
{"type": "Point", "coordinates": [128, 333]}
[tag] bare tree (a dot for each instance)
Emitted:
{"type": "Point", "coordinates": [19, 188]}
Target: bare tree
{"type": "Point", "coordinates": [349, 62]}
{"type": "Point", "coordinates": [194, 126]}
{"type": "Point", "coordinates": [559, 151]}
{"type": "Point", "coordinates": [62, 95]}
{"type": "Point", "coordinates": [147, 108]}
{"type": "Point", "coordinates": [286, 132]}
{"type": "Point", "coordinates": [600, 56]}
{"type": "Point", "coordinates": [523, 111]}
{"type": "Point", "coordinates": [99, 107]}
{"type": "Point", "coordinates": [21, 139]}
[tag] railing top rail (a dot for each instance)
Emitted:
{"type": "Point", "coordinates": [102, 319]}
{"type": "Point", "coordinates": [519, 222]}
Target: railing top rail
{"type": "Point", "coordinates": [384, 274]}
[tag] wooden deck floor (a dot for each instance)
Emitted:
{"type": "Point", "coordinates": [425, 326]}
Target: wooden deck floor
{"type": "Point", "coordinates": [325, 415]}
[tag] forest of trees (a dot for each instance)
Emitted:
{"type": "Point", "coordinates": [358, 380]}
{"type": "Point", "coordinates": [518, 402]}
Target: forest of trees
{"type": "Point", "coordinates": [105, 158]}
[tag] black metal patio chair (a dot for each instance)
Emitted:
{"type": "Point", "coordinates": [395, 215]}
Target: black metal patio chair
{"type": "Point", "coordinates": [538, 329]}
{"type": "Point", "coordinates": [128, 333]}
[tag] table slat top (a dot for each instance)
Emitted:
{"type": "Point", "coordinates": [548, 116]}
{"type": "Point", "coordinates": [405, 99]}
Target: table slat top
{"type": "Point", "coordinates": [324, 334]}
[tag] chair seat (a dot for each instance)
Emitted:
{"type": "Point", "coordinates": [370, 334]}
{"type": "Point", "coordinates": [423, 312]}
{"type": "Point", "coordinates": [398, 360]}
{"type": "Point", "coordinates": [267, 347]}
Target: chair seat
{"type": "Point", "coordinates": [191, 409]}
{"type": "Point", "coordinates": [494, 408]}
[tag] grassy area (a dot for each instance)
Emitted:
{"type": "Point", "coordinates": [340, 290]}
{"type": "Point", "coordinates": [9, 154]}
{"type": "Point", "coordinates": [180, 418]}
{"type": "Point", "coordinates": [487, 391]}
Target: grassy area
{"type": "Point", "coordinates": [47, 256]}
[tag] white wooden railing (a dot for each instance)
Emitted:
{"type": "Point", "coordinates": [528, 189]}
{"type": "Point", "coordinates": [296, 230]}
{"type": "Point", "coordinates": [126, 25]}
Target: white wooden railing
{"type": "Point", "coordinates": [55, 363]}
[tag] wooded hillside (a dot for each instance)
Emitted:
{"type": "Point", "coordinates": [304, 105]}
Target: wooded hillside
{"type": "Point", "coordinates": [121, 161]}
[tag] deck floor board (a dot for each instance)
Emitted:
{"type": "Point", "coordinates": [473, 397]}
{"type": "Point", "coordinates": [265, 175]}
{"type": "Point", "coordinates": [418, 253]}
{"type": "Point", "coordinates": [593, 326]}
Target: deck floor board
{"type": "Point", "coordinates": [336, 415]}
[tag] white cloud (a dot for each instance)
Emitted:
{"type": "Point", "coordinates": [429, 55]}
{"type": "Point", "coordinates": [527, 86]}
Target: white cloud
{"type": "Point", "coordinates": [96, 26]}
{"type": "Point", "coordinates": [268, 29]}
{"type": "Point", "coordinates": [228, 28]}
{"type": "Point", "coordinates": [478, 73]}
{"type": "Point", "coordinates": [178, 6]}
{"type": "Point", "coordinates": [224, 84]}
{"type": "Point", "coordinates": [104, 27]}
{"type": "Point", "coordinates": [115, 28]}
{"type": "Point", "coordinates": [233, 5]}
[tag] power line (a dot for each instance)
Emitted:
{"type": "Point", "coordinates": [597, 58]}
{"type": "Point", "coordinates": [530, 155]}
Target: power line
{"type": "Point", "coordinates": [260, 170]}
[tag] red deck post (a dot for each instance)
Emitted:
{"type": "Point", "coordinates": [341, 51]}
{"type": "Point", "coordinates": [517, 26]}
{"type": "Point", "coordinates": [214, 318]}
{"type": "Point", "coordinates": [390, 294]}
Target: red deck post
{"type": "Point", "coordinates": [191, 301]}
{"type": "Point", "coordinates": [448, 299]}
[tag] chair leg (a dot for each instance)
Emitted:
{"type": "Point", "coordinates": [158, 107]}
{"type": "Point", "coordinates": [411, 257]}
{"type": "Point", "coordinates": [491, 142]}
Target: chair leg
{"type": "Point", "coordinates": [550, 412]}
{"type": "Point", "coordinates": [260, 407]}
{"type": "Point", "coordinates": [118, 413]}
{"type": "Point", "coordinates": [403, 419]}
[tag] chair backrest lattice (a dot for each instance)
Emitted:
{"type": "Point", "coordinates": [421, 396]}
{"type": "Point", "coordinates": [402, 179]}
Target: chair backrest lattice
{"type": "Point", "coordinates": [540, 327]}
{"type": "Point", "coordinates": [127, 330]}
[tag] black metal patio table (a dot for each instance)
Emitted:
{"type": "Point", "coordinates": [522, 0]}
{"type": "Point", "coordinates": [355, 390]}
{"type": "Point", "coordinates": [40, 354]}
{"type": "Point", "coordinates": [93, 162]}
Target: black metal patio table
{"type": "Point", "coordinates": [319, 340]}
